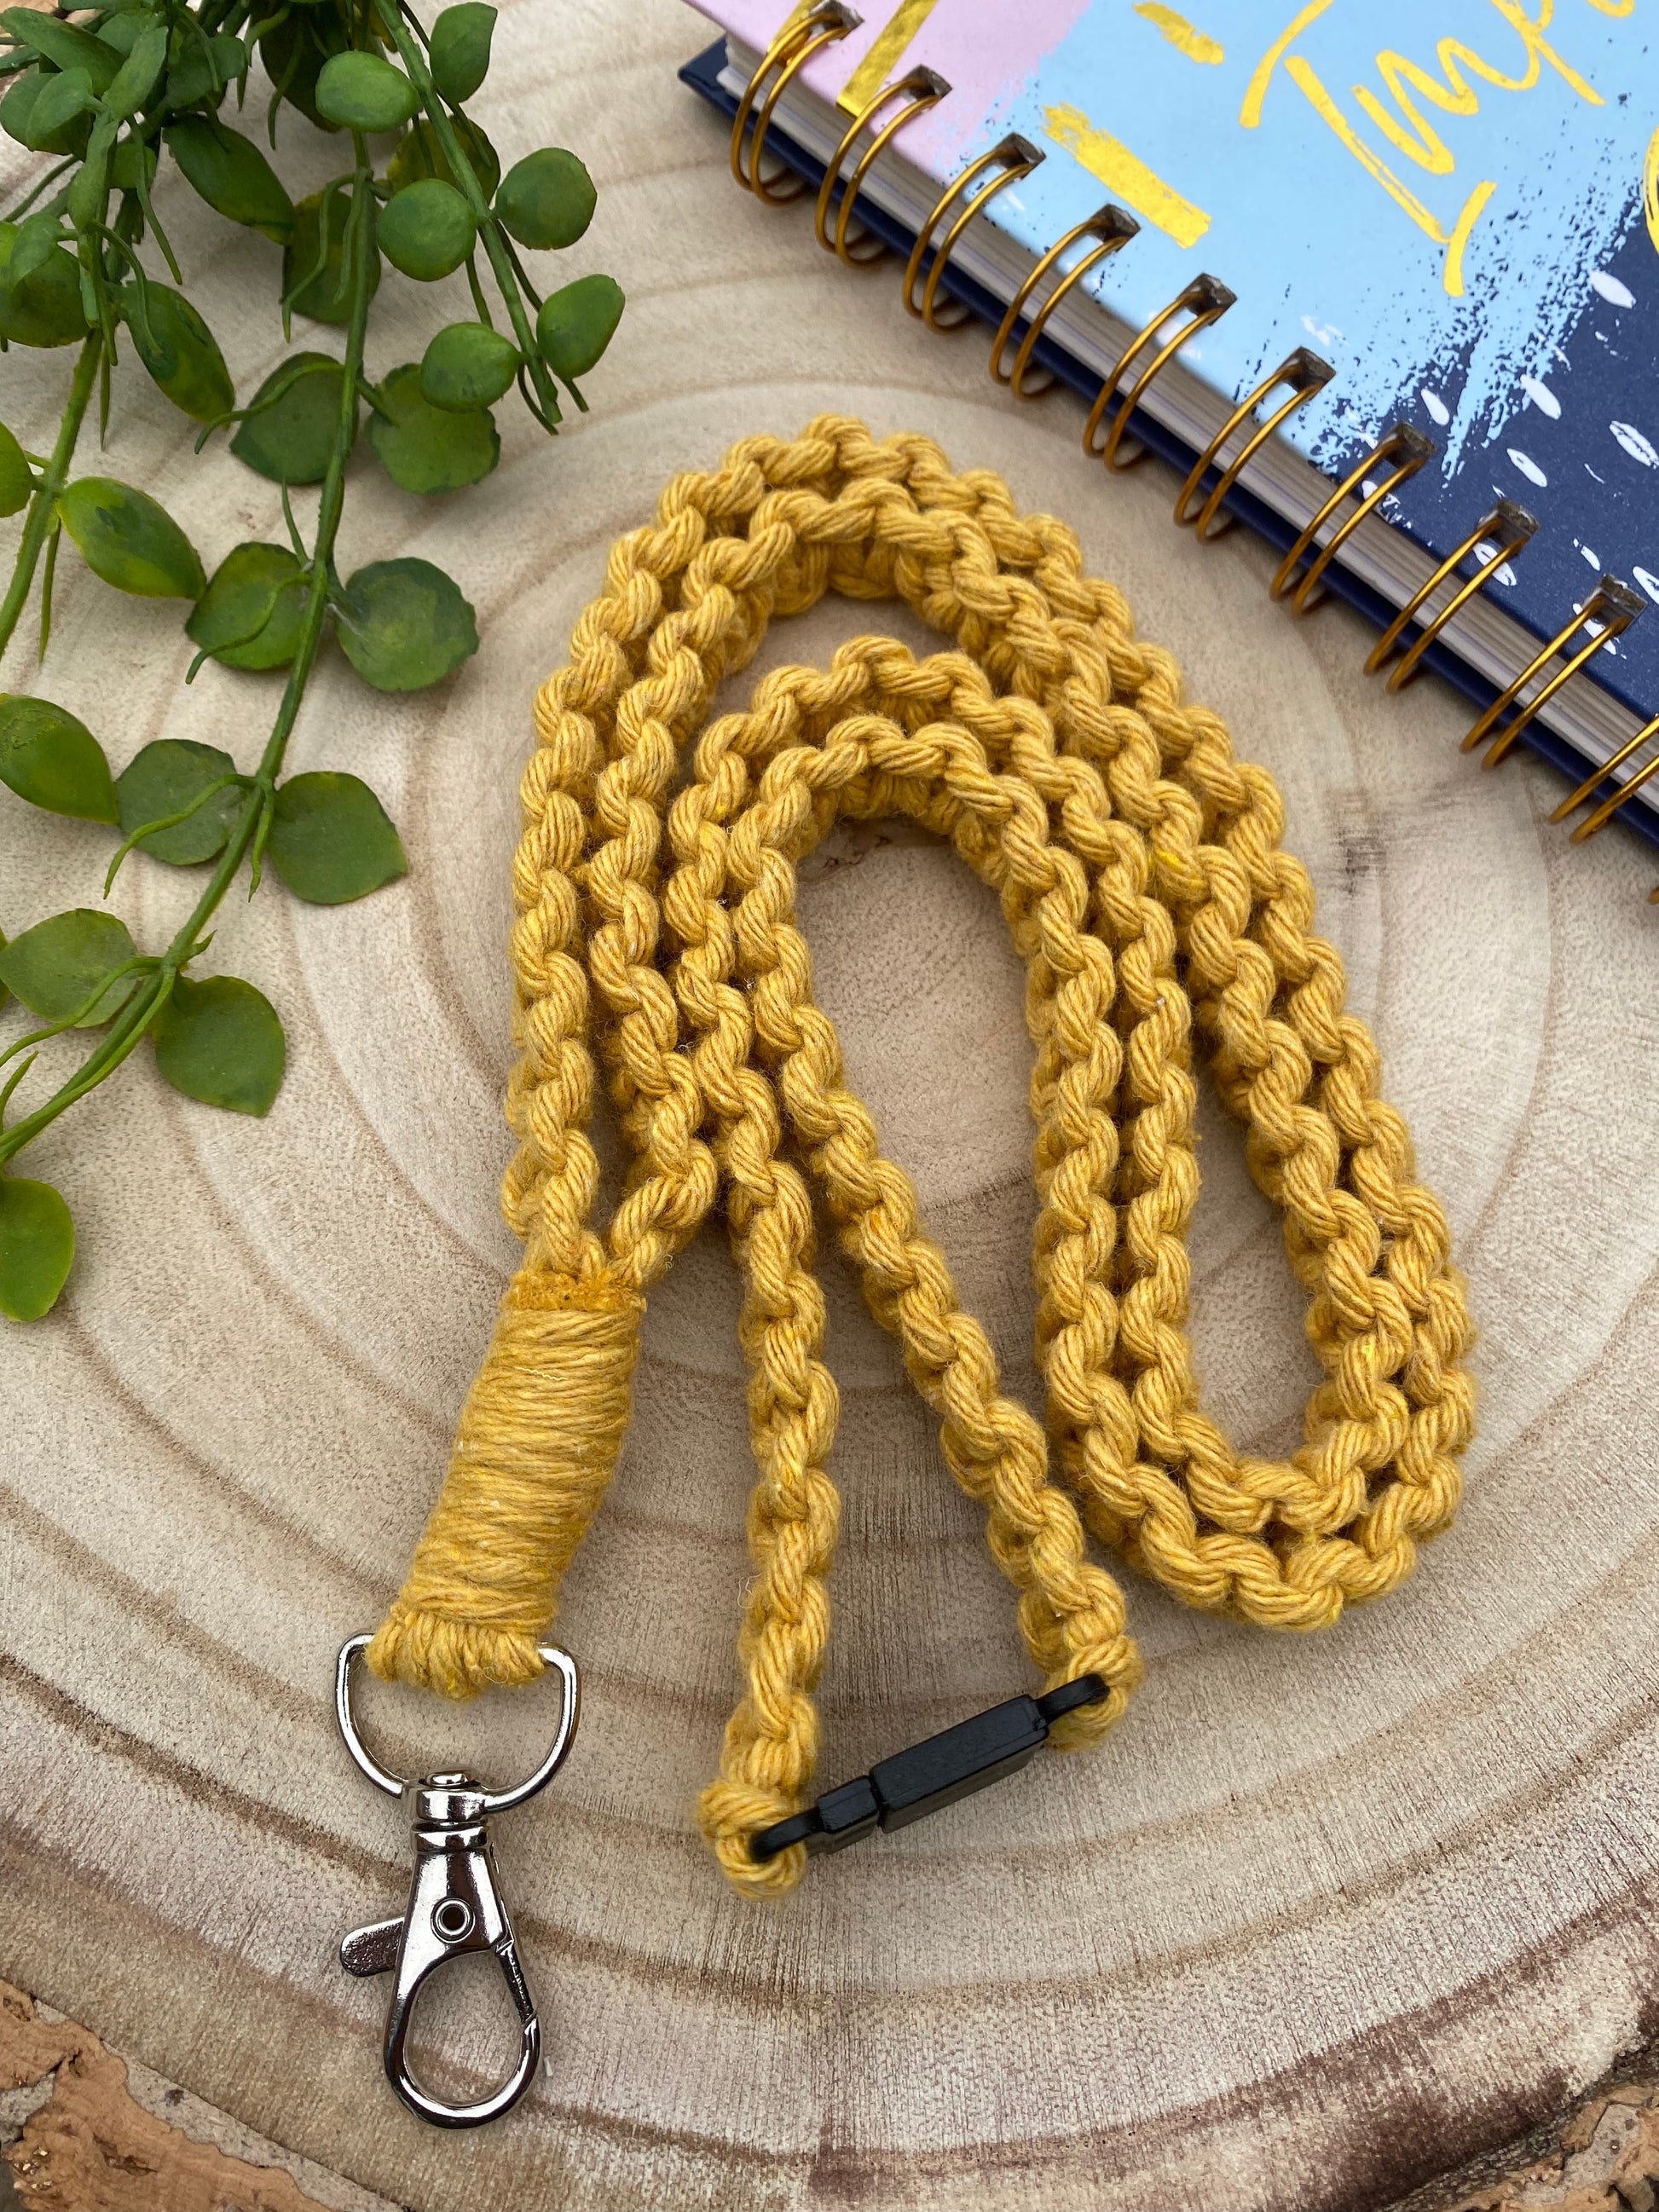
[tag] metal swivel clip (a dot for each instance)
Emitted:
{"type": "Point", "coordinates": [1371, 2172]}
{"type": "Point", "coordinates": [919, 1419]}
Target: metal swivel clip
{"type": "Point", "coordinates": [455, 1903]}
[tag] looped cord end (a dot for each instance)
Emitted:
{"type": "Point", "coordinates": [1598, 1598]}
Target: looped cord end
{"type": "Point", "coordinates": [537, 1440]}
{"type": "Point", "coordinates": [455, 1658]}
{"type": "Point", "coordinates": [1085, 1726]}
{"type": "Point", "coordinates": [730, 1814]}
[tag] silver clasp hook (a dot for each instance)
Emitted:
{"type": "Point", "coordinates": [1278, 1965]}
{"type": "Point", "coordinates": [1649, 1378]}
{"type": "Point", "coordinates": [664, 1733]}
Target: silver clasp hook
{"type": "Point", "coordinates": [454, 1903]}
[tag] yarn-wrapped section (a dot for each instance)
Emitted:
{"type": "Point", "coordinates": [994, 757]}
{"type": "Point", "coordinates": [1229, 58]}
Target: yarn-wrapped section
{"type": "Point", "coordinates": [536, 1445]}
{"type": "Point", "coordinates": [1138, 864]}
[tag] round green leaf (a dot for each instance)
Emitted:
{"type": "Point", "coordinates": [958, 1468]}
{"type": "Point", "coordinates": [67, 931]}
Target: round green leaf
{"type": "Point", "coordinates": [18, 105]}
{"type": "Point", "coordinates": [130, 540]}
{"type": "Point", "coordinates": [179, 351]}
{"type": "Point", "coordinates": [363, 92]}
{"type": "Point", "coordinates": [419, 155]}
{"type": "Point", "coordinates": [17, 119]}
{"type": "Point", "coordinates": [547, 199]}
{"type": "Point", "coordinates": [135, 80]}
{"type": "Point", "coordinates": [44, 309]}
{"type": "Point", "coordinates": [221, 1040]}
{"type": "Point", "coordinates": [231, 174]}
{"type": "Point", "coordinates": [55, 968]}
{"type": "Point", "coordinates": [166, 777]}
{"type": "Point", "coordinates": [122, 31]}
{"type": "Point", "coordinates": [331, 839]}
{"type": "Point", "coordinates": [254, 610]}
{"type": "Point", "coordinates": [59, 102]}
{"type": "Point", "coordinates": [576, 324]}
{"type": "Point", "coordinates": [291, 440]}
{"type": "Point", "coordinates": [204, 71]}
{"type": "Point", "coordinates": [315, 281]}
{"type": "Point", "coordinates": [37, 1247]}
{"type": "Point", "coordinates": [64, 45]}
{"type": "Point", "coordinates": [404, 625]}
{"type": "Point", "coordinates": [467, 366]}
{"type": "Point", "coordinates": [459, 49]}
{"type": "Point", "coordinates": [16, 477]}
{"type": "Point", "coordinates": [426, 449]}
{"type": "Point", "coordinates": [427, 230]}
{"type": "Point", "coordinates": [32, 247]}
{"type": "Point", "coordinates": [51, 758]}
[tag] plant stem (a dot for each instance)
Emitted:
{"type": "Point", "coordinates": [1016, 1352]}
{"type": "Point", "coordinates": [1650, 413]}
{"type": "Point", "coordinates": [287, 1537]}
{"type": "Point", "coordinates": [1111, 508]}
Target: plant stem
{"type": "Point", "coordinates": [38, 189]}
{"type": "Point", "coordinates": [420, 76]}
{"type": "Point", "coordinates": [144, 1007]}
{"type": "Point", "coordinates": [94, 360]}
{"type": "Point", "coordinates": [43, 505]}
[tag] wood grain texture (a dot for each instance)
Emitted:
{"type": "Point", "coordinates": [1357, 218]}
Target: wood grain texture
{"type": "Point", "coordinates": [1328, 1917]}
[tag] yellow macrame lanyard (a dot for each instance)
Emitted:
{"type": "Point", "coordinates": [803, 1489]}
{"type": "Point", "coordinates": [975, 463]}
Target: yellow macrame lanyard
{"type": "Point", "coordinates": [1137, 865]}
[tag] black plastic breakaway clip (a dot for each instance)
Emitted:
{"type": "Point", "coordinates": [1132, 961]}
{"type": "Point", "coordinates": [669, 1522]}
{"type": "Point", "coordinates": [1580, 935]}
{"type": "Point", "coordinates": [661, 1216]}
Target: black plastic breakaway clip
{"type": "Point", "coordinates": [931, 1774]}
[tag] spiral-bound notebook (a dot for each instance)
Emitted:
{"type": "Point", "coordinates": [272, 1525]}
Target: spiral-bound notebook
{"type": "Point", "coordinates": [1384, 285]}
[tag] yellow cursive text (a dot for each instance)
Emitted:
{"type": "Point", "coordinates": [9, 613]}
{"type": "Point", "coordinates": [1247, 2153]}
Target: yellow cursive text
{"type": "Point", "coordinates": [1407, 128]}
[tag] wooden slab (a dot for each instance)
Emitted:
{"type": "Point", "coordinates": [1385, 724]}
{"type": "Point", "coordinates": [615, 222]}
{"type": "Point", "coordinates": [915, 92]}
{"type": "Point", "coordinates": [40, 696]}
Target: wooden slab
{"type": "Point", "coordinates": [1328, 1917]}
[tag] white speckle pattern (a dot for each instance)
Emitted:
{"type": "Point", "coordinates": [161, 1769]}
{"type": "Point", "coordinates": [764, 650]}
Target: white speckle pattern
{"type": "Point", "coordinates": [1617, 294]}
{"type": "Point", "coordinates": [1439, 410]}
{"type": "Point", "coordinates": [1528, 466]}
{"type": "Point", "coordinates": [1326, 333]}
{"type": "Point", "coordinates": [1541, 398]}
{"type": "Point", "coordinates": [1504, 574]}
{"type": "Point", "coordinates": [1594, 559]}
{"type": "Point", "coordinates": [1638, 447]}
{"type": "Point", "coordinates": [1648, 582]}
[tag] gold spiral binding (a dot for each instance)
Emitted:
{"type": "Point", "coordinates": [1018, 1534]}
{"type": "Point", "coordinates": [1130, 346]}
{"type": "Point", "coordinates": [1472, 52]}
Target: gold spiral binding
{"type": "Point", "coordinates": [1018, 157]}
{"type": "Point", "coordinates": [926, 87]}
{"type": "Point", "coordinates": [1621, 606]}
{"type": "Point", "coordinates": [1511, 529]}
{"type": "Point", "coordinates": [1408, 449]}
{"type": "Point", "coordinates": [824, 21]}
{"type": "Point", "coordinates": [1610, 806]}
{"type": "Point", "coordinates": [1305, 374]}
{"type": "Point", "coordinates": [1206, 299]}
{"type": "Point", "coordinates": [1610, 610]}
{"type": "Point", "coordinates": [1113, 227]}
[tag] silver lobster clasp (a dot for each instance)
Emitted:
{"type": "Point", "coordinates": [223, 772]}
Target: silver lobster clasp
{"type": "Point", "coordinates": [454, 1903]}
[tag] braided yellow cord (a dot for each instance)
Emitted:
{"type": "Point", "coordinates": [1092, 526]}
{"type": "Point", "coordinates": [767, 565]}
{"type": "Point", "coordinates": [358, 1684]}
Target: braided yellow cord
{"type": "Point", "coordinates": [1137, 865]}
